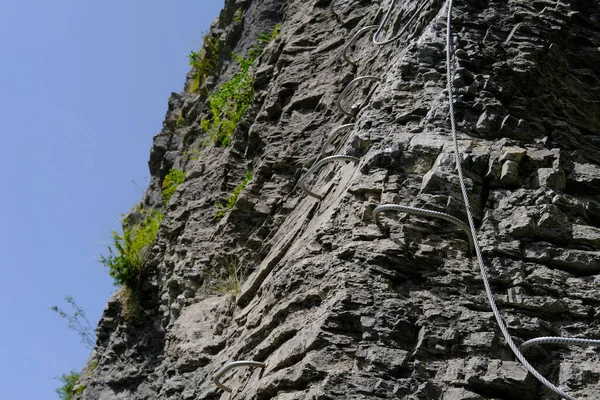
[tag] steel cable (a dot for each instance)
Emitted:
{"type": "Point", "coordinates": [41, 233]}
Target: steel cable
{"type": "Point", "coordinates": [231, 365]}
{"type": "Point", "coordinates": [318, 165]}
{"type": "Point", "coordinates": [482, 267]}
{"type": "Point", "coordinates": [423, 213]}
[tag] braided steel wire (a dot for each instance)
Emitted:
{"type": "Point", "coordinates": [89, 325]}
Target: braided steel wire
{"type": "Point", "coordinates": [318, 165]}
{"type": "Point", "coordinates": [338, 102]}
{"type": "Point", "coordinates": [423, 213]}
{"type": "Point", "coordinates": [480, 261]}
{"type": "Point", "coordinates": [231, 365]}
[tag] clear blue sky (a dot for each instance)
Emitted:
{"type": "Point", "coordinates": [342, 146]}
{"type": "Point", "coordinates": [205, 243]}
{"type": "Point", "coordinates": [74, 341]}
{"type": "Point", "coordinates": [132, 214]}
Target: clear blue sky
{"type": "Point", "coordinates": [83, 89]}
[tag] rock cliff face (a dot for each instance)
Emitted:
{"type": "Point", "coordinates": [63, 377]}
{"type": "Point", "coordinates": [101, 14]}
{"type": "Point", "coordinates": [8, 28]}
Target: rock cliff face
{"type": "Point", "coordinates": [336, 306]}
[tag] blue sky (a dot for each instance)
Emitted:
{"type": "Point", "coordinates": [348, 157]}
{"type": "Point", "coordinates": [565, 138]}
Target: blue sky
{"type": "Point", "coordinates": [83, 89]}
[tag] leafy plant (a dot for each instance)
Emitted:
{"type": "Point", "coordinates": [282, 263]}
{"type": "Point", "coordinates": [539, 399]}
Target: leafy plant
{"type": "Point", "coordinates": [77, 322]}
{"type": "Point", "coordinates": [69, 381]}
{"type": "Point", "coordinates": [229, 102]}
{"type": "Point", "coordinates": [267, 38]}
{"type": "Point", "coordinates": [237, 17]}
{"type": "Point", "coordinates": [231, 99]}
{"type": "Point", "coordinates": [180, 122]}
{"type": "Point", "coordinates": [174, 178]}
{"type": "Point", "coordinates": [221, 209]}
{"type": "Point", "coordinates": [126, 260]}
{"type": "Point", "coordinates": [205, 62]}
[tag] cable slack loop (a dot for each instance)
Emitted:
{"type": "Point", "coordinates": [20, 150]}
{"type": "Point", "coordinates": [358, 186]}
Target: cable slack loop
{"type": "Point", "coordinates": [347, 89]}
{"type": "Point", "coordinates": [334, 134]}
{"type": "Point", "coordinates": [488, 290]}
{"type": "Point", "coordinates": [353, 40]}
{"type": "Point", "coordinates": [231, 365]}
{"type": "Point", "coordinates": [385, 20]}
{"type": "Point", "coordinates": [318, 165]}
{"type": "Point", "coordinates": [423, 213]}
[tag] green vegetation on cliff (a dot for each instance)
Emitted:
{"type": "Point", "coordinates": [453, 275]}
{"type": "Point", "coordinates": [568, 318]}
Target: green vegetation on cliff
{"type": "Point", "coordinates": [174, 178]}
{"type": "Point", "coordinates": [221, 209]}
{"type": "Point", "coordinates": [78, 322]}
{"type": "Point", "coordinates": [205, 62]}
{"type": "Point", "coordinates": [126, 260]}
{"type": "Point", "coordinates": [229, 102]}
{"type": "Point", "coordinates": [67, 390]}
{"type": "Point", "coordinates": [231, 99]}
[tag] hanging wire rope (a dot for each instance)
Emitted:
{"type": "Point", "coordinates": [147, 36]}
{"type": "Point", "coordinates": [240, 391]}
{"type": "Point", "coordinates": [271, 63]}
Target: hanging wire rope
{"type": "Point", "coordinates": [423, 213]}
{"type": "Point", "coordinates": [318, 165]}
{"type": "Point", "coordinates": [231, 365]}
{"type": "Point", "coordinates": [338, 103]}
{"type": "Point", "coordinates": [385, 20]}
{"type": "Point", "coordinates": [488, 290]}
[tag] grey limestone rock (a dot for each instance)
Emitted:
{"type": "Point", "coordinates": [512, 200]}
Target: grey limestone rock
{"type": "Point", "coordinates": [335, 306]}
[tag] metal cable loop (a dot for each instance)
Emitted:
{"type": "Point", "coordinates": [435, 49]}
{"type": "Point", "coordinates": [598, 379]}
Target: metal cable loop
{"type": "Point", "coordinates": [316, 166]}
{"type": "Point", "coordinates": [463, 186]}
{"type": "Point", "coordinates": [231, 365]}
{"type": "Point", "coordinates": [353, 40]}
{"type": "Point", "coordinates": [338, 102]}
{"type": "Point", "coordinates": [334, 134]}
{"type": "Point", "coordinates": [559, 340]}
{"type": "Point", "coordinates": [423, 213]}
{"type": "Point", "coordinates": [385, 19]}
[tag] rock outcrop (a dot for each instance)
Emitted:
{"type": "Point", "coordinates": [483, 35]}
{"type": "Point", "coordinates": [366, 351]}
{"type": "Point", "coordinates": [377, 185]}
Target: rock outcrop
{"type": "Point", "coordinates": [334, 305]}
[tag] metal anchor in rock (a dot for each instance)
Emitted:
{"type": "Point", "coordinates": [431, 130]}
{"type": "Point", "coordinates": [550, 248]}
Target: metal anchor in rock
{"type": "Point", "coordinates": [423, 213]}
{"type": "Point", "coordinates": [231, 365]}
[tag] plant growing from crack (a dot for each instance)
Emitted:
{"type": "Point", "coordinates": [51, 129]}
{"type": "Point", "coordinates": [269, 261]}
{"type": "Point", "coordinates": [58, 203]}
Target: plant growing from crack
{"type": "Point", "coordinates": [69, 385]}
{"type": "Point", "coordinates": [230, 280]}
{"type": "Point", "coordinates": [220, 209]}
{"type": "Point", "coordinates": [174, 178]}
{"type": "Point", "coordinates": [232, 98]}
{"type": "Point", "coordinates": [205, 62]}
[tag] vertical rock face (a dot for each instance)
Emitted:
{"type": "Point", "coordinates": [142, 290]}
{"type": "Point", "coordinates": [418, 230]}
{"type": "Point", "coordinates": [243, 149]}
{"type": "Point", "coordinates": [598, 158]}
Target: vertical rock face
{"type": "Point", "coordinates": [334, 305]}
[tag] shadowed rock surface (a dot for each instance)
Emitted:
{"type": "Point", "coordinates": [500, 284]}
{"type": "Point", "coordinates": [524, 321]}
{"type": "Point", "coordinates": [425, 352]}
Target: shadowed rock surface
{"type": "Point", "coordinates": [337, 307]}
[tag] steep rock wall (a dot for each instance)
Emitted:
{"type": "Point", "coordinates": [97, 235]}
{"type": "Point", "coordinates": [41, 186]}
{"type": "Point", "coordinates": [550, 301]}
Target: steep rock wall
{"type": "Point", "coordinates": [335, 306]}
